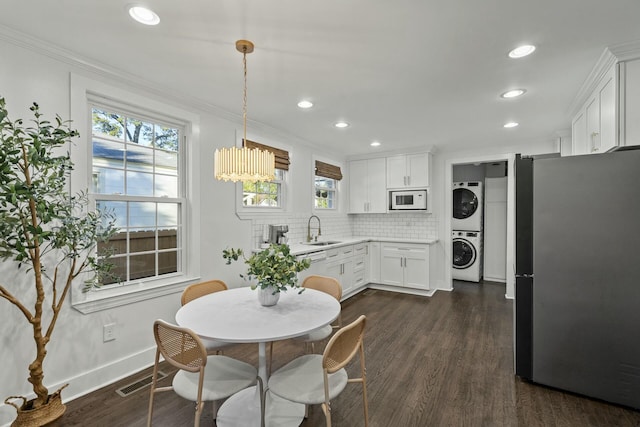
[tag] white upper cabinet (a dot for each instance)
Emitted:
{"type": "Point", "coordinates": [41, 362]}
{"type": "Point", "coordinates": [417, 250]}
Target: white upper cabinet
{"type": "Point", "coordinates": [367, 191]}
{"type": "Point", "coordinates": [630, 105]}
{"type": "Point", "coordinates": [408, 170]}
{"type": "Point", "coordinates": [594, 127]}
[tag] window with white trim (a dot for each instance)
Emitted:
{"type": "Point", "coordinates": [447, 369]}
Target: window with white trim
{"type": "Point", "coordinates": [326, 185]}
{"type": "Point", "coordinates": [137, 174]}
{"type": "Point", "coordinates": [267, 194]}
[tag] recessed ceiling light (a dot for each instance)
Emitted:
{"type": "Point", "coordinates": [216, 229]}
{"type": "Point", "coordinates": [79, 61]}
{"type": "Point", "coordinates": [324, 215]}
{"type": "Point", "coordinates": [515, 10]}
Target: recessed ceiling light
{"type": "Point", "coordinates": [375, 144]}
{"type": "Point", "coordinates": [513, 93]}
{"type": "Point", "coordinates": [521, 51]}
{"type": "Point", "coordinates": [511, 124]}
{"type": "Point", "coordinates": [341, 125]}
{"type": "Point", "coordinates": [144, 15]}
{"type": "Point", "coordinates": [305, 104]}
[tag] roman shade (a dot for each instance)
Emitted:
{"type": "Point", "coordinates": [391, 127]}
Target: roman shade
{"type": "Point", "coordinates": [282, 156]}
{"type": "Point", "coordinates": [328, 171]}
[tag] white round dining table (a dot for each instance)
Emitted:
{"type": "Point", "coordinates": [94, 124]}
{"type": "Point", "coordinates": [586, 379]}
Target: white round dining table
{"type": "Point", "coordinates": [236, 316]}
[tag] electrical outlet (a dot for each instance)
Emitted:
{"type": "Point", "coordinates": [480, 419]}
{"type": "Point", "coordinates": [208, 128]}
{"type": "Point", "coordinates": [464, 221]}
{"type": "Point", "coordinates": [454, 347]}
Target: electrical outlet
{"type": "Point", "coordinates": [109, 332]}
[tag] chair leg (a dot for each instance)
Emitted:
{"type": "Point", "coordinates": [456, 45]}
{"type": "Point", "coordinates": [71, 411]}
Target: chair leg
{"type": "Point", "coordinates": [214, 405]}
{"type": "Point", "coordinates": [364, 386]}
{"type": "Point", "coordinates": [154, 380]}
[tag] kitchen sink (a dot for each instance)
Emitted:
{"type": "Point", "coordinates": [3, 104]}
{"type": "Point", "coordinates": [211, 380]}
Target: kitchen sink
{"type": "Point", "coordinates": [325, 243]}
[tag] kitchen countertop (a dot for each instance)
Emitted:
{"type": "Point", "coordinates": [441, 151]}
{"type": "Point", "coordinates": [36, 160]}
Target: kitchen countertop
{"type": "Point", "coordinates": [301, 248]}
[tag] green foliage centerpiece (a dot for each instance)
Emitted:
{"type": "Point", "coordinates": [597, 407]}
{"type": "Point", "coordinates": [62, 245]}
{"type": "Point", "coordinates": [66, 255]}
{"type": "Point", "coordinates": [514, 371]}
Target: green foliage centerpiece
{"type": "Point", "coordinates": [49, 235]}
{"type": "Point", "coordinates": [274, 269]}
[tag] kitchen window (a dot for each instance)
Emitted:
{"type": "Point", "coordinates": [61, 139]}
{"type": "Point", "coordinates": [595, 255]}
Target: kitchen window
{"type": "Point", "coordinates": [137, 175]}
{"type": "Point", "coordinates": [326, 185]}
{"type": "Point", "coordinates": [267, 194]}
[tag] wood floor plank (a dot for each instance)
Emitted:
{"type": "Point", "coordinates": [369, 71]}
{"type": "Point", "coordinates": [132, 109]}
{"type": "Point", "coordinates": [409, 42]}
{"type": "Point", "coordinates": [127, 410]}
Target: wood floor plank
{"type": "Point", "coordinates": [440, 361]}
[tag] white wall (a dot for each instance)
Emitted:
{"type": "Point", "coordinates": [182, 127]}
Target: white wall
{"type": "Point", "coordinates": [77, 353]}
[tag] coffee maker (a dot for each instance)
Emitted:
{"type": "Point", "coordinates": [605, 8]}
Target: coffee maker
{"type": "Point", "coordinates": [277, 234]}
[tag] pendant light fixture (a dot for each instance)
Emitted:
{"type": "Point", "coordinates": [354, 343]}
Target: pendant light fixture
{"type": "Point", "coordinates": [244, 164]}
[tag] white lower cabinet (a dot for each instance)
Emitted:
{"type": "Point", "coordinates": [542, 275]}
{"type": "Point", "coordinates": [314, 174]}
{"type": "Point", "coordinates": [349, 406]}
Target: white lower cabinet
{"type": "Point", "coordinates": [405, 264]}
{"type": "Point", "coordinates": [348, 265]}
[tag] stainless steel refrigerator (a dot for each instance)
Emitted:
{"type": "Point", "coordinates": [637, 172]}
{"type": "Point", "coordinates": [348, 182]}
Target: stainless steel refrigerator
{"type": "Point", "coordinates": [577, 291]}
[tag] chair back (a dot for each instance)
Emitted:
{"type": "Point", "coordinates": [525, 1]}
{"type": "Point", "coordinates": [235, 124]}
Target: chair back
{"type": "Point", "coordinates": [328, 285]}
{"type": "Point", "coordinates": [344, 345]}
{"type": "Point", "coordinates": [197, 290]}
{"type": "Point", "coordinates": [181, 347]}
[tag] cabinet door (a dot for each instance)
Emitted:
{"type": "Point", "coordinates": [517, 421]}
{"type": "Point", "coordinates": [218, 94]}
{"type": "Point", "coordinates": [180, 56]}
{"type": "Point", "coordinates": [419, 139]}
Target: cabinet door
{"type": "Point", "coordinates": [391, 267]}
{"type": "Point", "coordinates": [397, 171]}
{"type": "Point", "coordinates": [630, 87]}
{"type": "Point", "coordinates": [418, 170]}
{"type": "Point", "coordinates": [579, 134]}
{"type": "Point", "coordinates": [416, 267]}
{"type": "Point", "coordinates": [377, 189]}
{"type": "Point", "coordinates": [358, 186]}
{"type": "Point", "coordinates": [592, 113]}
{"type": "Point", "coordinates": [374, 263]}
{"type": "Point", "coordinates": [608, 137]}
{"type": "Point", "coordinates": [346, 276]}
{"type": "Point", "coordinates": [334, 269]}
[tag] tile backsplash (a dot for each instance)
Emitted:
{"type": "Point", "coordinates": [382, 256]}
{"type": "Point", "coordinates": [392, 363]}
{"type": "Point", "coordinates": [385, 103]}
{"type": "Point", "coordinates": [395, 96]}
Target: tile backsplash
{"type": "Point", "coordinates": [393, 225]}
{"type": "Point", "coordinates": [417, 225]}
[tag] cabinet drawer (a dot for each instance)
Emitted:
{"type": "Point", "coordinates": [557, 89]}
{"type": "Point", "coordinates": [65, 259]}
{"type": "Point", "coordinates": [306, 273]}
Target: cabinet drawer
{"type": "Point", "coordinates": [358, 279]}
{"type": "Point", "coordinates": [407, 249]}
{"type": "Point", "coordinates": [359, 263]}
{"type": "Point", "coordinates": [360, 249]}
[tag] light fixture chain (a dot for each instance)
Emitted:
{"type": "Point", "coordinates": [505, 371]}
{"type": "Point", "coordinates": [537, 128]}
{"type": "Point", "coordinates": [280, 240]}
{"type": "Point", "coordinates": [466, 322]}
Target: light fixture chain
{"type": "Point", "coordinates": [244, 96]}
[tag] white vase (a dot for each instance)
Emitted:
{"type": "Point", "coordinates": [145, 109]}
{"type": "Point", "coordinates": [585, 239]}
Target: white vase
{"type": "Point", "coordinates": [267, 297]}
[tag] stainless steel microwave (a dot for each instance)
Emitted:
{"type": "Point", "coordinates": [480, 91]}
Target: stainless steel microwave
{"type": "Point", "coordinates": [408, 200]}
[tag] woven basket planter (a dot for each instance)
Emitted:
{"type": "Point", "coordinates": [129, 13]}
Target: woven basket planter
{"type": "Point", "coordinates": [28, 417]}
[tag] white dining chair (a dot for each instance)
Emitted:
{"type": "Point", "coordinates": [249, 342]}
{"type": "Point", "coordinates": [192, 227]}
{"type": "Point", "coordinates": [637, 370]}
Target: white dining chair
{"type": "Point", "coordinates": [201, 377]}
{"type": "Point", "coordinates": [317, 379]}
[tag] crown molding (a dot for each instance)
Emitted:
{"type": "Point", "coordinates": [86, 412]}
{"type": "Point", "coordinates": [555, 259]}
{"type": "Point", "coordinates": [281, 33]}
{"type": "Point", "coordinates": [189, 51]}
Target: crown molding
{"type": "Point", "coordinates": [137, 83]}
{"type": "Point", "coordinates": [626, 51]}
{"type": "Point", "coordinates": [605, 62]}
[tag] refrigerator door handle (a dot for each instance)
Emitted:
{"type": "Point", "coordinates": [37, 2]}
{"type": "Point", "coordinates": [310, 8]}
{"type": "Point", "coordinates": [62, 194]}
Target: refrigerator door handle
{"type": "Point", "coordinates": [524, 276]}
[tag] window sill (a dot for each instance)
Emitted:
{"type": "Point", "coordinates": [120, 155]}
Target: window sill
{"type": "Point", "coordinates": [107, 298]}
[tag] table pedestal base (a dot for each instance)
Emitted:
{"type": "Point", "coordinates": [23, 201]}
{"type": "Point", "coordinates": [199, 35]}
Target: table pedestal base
{"type": "Point", "coordinates": [243, 410]}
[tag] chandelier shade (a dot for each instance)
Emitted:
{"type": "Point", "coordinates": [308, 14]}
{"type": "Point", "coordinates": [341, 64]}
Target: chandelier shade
{"type": "Point", "coordinates": [244, 164]}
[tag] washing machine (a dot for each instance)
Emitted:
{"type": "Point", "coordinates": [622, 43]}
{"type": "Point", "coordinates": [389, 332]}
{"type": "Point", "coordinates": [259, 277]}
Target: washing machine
{"type": "Point", "coordinates": [467, 206]}
{"type": "Point", "coordinates": [467, 255]}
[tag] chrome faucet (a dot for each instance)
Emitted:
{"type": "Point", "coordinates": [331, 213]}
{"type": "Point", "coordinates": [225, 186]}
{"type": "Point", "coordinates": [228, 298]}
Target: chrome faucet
{"type": "Point", "coordinates": [309, 228]}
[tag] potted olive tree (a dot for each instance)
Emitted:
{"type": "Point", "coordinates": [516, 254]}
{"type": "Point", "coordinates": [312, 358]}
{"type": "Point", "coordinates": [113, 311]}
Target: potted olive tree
{"type": "Point", "coordinates": [49, 235]}
{"type": "Point", "coordinates": [273, 270]}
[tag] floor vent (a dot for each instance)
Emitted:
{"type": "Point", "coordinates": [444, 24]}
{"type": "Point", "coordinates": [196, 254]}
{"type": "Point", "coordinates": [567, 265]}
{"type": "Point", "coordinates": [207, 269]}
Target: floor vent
{"type": "Point", "coordinates": [138, 385]}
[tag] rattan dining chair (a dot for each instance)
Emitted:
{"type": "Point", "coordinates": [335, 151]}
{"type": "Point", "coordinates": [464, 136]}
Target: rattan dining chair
{"type": "Point", "coordinates": [200, 377]}
{"type": "Point", "coordinates": [198, 290]}
{"type": "Point", "coordinates": [330, 286]}
{"type": "Point", "coordinates": [314, 379]}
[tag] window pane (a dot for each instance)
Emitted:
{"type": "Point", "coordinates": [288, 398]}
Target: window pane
{"type": "Point", "coordinates": [166, 162]}
{"type": "Point", "coordinates": [167, 262]}
{"type": "Point", "coordinates": [167, 215]}
{"type": "Point", "coordinates": [139, 158]}
{"type": "Point", "coordinates": [139, 132]}
{"type": "Point", "coordinates": [107, 181]}
{"type": "Point", "coordinates": [118, 271]}
{"type": "Point", "coordinates": [167, 138]}
{"type": "Point", "coordinates": [142, 241]}
{"type": "Point", "coordinates": [142, 215]}
{"type": "Point", "coordinates": [118, 209]}
{"type": "Point", "coordinates": [166, 186]}
{"type": "Point", "coordinates": [108, 153]}
{"type": "Point", "coordinates": [325, 182]}
{"type": "Point", "coordinates": [139, 184]}
{"type": "Point", "coordinates": [266, 200]}
{"type": "Point", "coordinates": [107, 124]}
{"type": "Point", "coordinates": [168, 238]}
{"type": "Point", "coordinates": [141, 266]}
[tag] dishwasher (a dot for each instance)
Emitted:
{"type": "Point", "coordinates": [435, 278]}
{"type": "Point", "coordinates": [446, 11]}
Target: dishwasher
{"type": "Point", "coordinates": [318, 261]}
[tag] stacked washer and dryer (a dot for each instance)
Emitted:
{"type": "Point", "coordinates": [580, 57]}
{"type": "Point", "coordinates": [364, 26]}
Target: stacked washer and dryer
{"type": "Point", "coordinates": [467, 231]}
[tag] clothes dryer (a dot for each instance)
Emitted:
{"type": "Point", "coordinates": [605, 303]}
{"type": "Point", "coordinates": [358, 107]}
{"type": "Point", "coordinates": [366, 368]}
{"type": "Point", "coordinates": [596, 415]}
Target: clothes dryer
{"type": "Point", "coordinates": [467, 206]}
{"type": "Point", "coordinates": [467, 255]}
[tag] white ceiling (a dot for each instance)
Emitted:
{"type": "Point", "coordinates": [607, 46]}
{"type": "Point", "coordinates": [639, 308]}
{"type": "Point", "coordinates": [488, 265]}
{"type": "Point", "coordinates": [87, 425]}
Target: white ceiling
{"type": "Point", "coordinates": [403, 72]}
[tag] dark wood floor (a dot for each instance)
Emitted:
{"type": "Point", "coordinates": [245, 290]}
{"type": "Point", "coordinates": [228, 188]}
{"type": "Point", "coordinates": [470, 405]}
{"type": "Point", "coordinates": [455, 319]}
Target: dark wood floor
{"type": "Point", "coordinates": [440, 361]}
